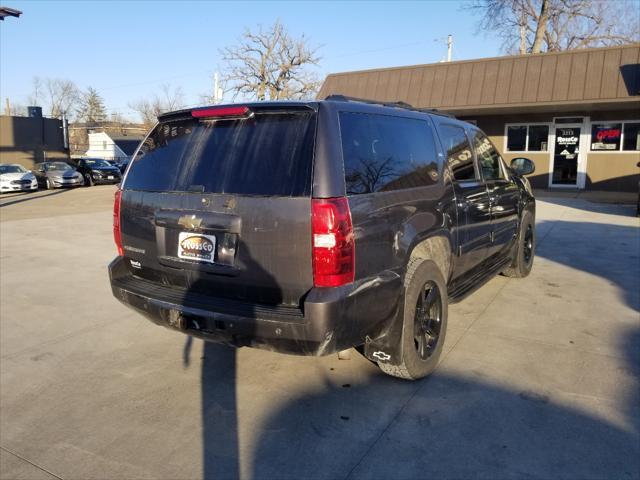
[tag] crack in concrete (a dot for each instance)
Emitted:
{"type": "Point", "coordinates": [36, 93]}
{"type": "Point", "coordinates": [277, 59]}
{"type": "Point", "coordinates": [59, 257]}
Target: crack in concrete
{"type": "Point", "coordinates": [39, 467]}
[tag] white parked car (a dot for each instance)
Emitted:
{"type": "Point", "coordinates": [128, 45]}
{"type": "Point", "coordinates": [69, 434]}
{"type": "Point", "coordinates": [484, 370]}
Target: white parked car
{"type": "Point", "coordinates": [16, 178]}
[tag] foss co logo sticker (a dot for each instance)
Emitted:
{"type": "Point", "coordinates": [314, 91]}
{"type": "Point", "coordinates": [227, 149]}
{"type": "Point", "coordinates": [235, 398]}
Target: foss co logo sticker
{"type": "Point", "coordinates": [194, 246]}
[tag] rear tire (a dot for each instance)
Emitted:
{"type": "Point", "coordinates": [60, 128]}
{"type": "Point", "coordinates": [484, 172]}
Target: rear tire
{"type": "Point", "coordinates": [525, 248]}
{"type": "Point", "coordinates": [425, 321]}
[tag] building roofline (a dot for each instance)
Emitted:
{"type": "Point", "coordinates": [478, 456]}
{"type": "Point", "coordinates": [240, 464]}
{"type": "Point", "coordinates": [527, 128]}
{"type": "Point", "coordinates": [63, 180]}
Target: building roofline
{"type": "Point", "coordinates": [486, 59]}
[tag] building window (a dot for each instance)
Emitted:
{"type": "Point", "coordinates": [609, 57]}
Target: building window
{"type": "Point", "coordinates": [631, 136]}
{"type": "Point", "coordinates": [615, 136]}
{"type": "Point", "coordinates": [527, 138]}
{"type": "Point", "coordinates": [606, 136]}
{"type": "Point", "coordinates": [517, 138]}
{"type": "Point", "coordinates": [104, 144]}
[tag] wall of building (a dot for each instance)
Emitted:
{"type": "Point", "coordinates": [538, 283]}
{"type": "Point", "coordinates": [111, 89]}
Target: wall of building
{"type": "Point", "coordinates": [101, 145]}
{"type": "Point", "coordinates": [612, 171]}
{"type": "Point", "coordinates": [28, 140]}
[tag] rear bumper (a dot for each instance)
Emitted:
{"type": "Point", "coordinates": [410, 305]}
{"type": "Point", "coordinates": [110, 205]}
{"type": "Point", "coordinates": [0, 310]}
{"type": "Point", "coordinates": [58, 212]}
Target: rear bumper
{"type": "Point", "coordinates": [330, 320]}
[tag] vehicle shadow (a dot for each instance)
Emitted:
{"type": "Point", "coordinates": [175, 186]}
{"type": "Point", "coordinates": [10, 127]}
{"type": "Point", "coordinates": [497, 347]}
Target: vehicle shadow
{"type": "Point", "coordinates": [446, 426]}
{"type": "Point", "coordinates": [352, 421]}
{"type": "Point", "coordinates": [219, 403]}
{"type": "Point", "coordinates": [590, 241]}
{"type": "Point", "coordinates": [31, 196]}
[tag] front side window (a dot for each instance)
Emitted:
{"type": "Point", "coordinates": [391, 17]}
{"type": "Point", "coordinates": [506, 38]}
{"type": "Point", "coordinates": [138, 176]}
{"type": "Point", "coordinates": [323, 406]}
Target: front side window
{"type": "Point", "coordinates": [527, 138]}
{"type": "Point", "coordinates": [459, 156]}
{"type": "Point", "coordinates": [606, 136]}
{"type": "Point", "coordinates": [383, 153]}
{"type": "Point", "coordinates": [631, 136]}
{"type": "Point", "coordinates": [488, 157]}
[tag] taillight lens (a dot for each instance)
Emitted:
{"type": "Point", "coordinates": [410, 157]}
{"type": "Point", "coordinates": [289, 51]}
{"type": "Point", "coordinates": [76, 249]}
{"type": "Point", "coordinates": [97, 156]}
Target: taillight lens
{"type": "Point", "coordinates": [333, 242]}
{"type": "Point", "coordinates": [234, 111]}
{"type": "Point", "coordinates": [117, 236]}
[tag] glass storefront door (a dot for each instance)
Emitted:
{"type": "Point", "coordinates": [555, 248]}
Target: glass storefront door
{"type": "Point", "coordinates": [565, 155]}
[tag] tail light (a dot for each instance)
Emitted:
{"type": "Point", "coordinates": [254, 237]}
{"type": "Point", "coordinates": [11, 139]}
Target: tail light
{"type": "Point", "coordinates": [333, 242]}
{"type": "Point", "coordinates": [233, 111]}
{"type": "Point", "coordinates": [117, 236]}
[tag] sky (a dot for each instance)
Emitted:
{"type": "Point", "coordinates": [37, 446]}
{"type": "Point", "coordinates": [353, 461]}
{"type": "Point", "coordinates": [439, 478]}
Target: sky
{"type": "Point", "coordinates": [127, 50]}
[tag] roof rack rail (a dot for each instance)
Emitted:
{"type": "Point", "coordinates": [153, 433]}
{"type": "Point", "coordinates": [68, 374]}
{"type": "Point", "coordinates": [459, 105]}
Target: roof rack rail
{"type": "Point", "coordinates": [398, 104]}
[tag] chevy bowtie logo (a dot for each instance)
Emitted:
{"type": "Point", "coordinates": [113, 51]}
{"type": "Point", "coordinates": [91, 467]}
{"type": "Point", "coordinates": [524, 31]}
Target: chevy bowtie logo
{"type": "Point", "coordinates": [380, 355]}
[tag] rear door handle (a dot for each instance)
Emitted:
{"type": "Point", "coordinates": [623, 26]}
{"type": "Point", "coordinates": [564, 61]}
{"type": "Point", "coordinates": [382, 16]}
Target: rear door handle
{"type": "Point", "coordinates": [499, 208]}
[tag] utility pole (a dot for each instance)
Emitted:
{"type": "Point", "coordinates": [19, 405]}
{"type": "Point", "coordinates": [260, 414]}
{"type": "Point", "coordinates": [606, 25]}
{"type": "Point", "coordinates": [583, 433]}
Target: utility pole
{"type": "Point", "coordinates": [7, 108]}
{"type": "Point", "coordinates": [217, 91]}
{"type": "Point", "coordinates": [449, 47]}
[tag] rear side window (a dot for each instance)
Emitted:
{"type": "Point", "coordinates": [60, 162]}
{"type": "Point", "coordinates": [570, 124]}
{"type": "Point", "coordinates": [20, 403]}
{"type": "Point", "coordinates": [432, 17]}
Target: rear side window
{"type": "Point", "coordinates": [459, 156]}
{"type": "Point", "coordinates": [383, 153]}
{"type": "Point", "coordinates": [267, 154]}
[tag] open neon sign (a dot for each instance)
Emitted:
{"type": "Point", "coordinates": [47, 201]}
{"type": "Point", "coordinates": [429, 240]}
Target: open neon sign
{"type": "Point", "coordinates": [608, 134]}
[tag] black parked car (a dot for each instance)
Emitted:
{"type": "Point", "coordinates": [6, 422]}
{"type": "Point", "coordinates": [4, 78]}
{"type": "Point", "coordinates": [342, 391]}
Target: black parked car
{"type": "Point", "coordinates": [98, 171]}
{"type": "Point", "coordinates": [313, 227]}
{"type": "Point", "coordinates": [56, 175]}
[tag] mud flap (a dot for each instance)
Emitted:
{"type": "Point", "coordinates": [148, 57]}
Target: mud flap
{"type": "Point", "coordinates": [387, 347]}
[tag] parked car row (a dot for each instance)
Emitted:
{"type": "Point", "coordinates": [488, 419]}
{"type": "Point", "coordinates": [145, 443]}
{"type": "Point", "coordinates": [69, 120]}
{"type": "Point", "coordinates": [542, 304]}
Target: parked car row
{"type": "Point", "coordinates": [16, 178]}
{"type": "Point", "coordinates": [50, 175]}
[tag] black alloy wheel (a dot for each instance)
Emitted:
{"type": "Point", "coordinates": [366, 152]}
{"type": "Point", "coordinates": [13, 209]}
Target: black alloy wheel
{"type": "Point", "coordinates": [528, 244]}
{"type": "Point", "coordinates": [428, 320]}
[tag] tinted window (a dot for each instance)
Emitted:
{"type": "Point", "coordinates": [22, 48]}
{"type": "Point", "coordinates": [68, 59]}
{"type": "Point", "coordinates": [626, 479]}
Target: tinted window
{"type": "Point", "coordinates": [631, 136]}
{"type": "Point", "coordinates": [517, 138]}
{"type": "Point", "coordinates": [458, 150]}
{"type": "Point", "coordinates": [538, 138]}
{"type": "Point", "coordinates": [488, 157]}
{"type": "Point", "coordinates": [267, 154]}
{"type": "Point", "coordinates": [384, 153]}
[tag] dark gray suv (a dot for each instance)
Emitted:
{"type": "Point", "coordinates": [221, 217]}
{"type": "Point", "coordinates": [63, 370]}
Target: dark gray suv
{"type": "Point", "coordinates": [313, 227]}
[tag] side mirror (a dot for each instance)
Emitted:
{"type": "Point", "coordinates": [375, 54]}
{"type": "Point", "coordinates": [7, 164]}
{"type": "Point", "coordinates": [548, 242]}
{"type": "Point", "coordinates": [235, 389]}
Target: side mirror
{"type": "Point", "coordinates": [523, 166]}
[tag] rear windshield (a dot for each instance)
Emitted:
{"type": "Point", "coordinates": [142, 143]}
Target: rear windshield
{"type": "Point", "coordinates": [267, 154]}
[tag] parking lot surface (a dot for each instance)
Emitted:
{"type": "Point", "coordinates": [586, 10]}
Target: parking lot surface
{"type": "Point", "coordinates": [540, 376]}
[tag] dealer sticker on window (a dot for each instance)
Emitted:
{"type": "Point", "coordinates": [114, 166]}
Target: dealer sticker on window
{"type": "Point", "coordinates": [195, 246]}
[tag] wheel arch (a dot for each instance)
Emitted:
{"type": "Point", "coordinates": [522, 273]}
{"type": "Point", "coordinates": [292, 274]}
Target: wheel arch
{"type": "Point", "coordinates": [436, 248]}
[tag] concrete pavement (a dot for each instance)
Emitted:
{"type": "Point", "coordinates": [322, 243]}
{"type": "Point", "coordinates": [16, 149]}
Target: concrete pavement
{"type": "Point", "coordinates": [540, 378]}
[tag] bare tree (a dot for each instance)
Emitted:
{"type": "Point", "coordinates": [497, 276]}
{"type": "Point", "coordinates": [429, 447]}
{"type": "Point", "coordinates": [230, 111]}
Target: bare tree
{"type": "Point", "coordinates": [271, 65]}
{"type": "Point", "coordinates": [62, 96]}
{"type": "Point", "coordinates": [149, 108]}
{"type": "Point", "coordinates": [35, 97]}
{"type": "Point", "coordinates": [91, 107]}
{"type": "Point", "coordinates": [554, 25]}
